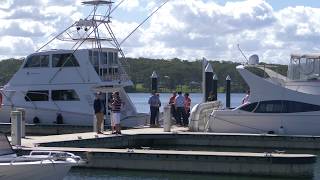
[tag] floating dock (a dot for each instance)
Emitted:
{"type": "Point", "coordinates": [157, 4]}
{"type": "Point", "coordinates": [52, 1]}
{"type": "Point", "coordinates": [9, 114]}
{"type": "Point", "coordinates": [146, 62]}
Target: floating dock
{"type": "Point", "coordinates": [146, 149]}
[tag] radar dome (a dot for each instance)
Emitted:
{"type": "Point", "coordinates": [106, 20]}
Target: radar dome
{"type": "Point", "coordinates": [254, 59]}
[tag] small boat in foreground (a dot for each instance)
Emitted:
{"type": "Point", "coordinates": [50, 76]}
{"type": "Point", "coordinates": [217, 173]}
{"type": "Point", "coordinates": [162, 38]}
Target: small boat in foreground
{"type": "Point", "coordinates": [38, 165]}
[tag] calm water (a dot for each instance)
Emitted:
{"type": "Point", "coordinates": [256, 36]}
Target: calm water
{"type": "Point", "coordinates": [140, 100]}
{"type": "Point", "coordinates": [99, 174]}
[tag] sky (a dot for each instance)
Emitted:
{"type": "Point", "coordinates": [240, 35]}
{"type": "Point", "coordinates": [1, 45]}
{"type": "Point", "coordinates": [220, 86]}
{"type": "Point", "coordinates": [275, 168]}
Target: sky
{"type": "Point", "coordinates": [185, 29]}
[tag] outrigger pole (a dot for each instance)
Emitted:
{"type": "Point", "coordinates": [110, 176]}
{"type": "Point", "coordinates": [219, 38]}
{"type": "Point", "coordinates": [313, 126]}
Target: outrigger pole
{"type": "Point", "coordinates": [143, 21]}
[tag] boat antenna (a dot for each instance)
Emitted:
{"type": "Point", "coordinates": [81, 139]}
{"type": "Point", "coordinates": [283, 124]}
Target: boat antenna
{"type": "Point", "coordinates": [143, 21]}
{"type": "Point", "coordinates": [242, 53]}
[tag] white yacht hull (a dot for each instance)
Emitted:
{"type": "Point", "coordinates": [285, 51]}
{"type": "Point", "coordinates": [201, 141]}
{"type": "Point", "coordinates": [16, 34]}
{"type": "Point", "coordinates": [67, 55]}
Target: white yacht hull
{"type": "Point", "coordinates": [34, 170]}
{"type": "Point", "coordinates": [271, 108]}
{"type": "Point", "coordinates": [246, 122]}
{"type": "Point", "coordinates": [73, 112]}
{"type": "Point", "coordinates": [47, 116]}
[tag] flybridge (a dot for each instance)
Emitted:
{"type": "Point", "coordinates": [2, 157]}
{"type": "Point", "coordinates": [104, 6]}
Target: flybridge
{"type": "Point", "coordinates": [304, 67]}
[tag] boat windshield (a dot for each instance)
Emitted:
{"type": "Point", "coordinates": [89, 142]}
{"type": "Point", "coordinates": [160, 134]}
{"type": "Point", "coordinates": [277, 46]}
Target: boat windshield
{"type": "Point", "coordinates": [5, 147]}
{"type": "Point", "coordinates": [304, 67]}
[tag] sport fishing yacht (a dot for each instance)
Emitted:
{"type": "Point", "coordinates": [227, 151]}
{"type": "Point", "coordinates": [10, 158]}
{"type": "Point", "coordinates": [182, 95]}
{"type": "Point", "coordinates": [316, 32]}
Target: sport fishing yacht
{"type": "Point", "coordinates": [277, 104]}
{"type": "Point", "coordinates": [57, 86]}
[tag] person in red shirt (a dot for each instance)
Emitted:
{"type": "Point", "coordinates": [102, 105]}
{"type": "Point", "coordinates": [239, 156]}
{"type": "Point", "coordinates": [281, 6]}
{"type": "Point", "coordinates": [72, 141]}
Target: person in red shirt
{"type": "Point", "coordinates": [172, 102]}
{"type": "Point", "coordinates": [187, 106]}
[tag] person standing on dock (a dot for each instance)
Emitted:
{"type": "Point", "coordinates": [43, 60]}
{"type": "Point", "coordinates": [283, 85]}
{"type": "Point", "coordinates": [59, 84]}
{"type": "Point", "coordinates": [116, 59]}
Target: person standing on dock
{"type": "Point", "coordinates": [187, 106]}
{"type": "Point", "coordinates": [179, 103]}
{"type": "Point", "coordinates": [245, 99]}
{"type": "Point", "coordinates": [154, 103]}
{"type": "Point", "coordinates": [172, 102]}
{"type": "Point", "coordinates": [116, 108]}
{"type": "Point", "coordinates": [157, 124]}
{"type": "Point", "coordinates": [99, 110]}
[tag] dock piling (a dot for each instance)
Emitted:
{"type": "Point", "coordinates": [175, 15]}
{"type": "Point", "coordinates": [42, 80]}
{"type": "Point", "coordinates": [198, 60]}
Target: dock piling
{"type": "Point", "coordinates": [167, 118]}
{"type": "Point", "coordinates": [154, 82]}
{"type": "Point", "coordinates": [228, 92]}
{"type": "Point", "coordinates": [215, 87]}
{"type": "Point", "coordinates": [16, 118]}
{"type": "Point", "coordinates": [208, 81]}
{"type": "Point", "coordinates": [23, 121]}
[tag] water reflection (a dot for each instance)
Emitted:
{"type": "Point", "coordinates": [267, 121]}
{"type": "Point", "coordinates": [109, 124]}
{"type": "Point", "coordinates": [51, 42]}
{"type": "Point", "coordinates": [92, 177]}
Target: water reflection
{"type": "Point", "coordinates": [101, 174]}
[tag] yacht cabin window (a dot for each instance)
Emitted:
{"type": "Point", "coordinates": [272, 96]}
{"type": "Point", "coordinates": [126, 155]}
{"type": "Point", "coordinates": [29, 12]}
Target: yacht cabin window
{"type": "Point", "coordinates": [249, 107]}
{"type": "Point", "coordinates": [280, 106]}
{"type": "Point", "coordinates": [37, 61]}
{"type": "Point", "coordinates": [64, 60]}
{"type": "Point", "coordinates": [42, 95]}
{"type": "Point", "coordinates": [64, 95]}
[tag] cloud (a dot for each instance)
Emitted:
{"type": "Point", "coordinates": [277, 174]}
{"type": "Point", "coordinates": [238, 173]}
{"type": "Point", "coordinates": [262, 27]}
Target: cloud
{"type": "Point", "coordinates": [130, 5]}
{"type": "Point", "coordinates": [189, 29]}
{"type": "Point", "coordinates": [195, 28]}
{"type": "Point", "coordinates": [15, 46]}
{"type": "Point", "coordinates": [206, 27]}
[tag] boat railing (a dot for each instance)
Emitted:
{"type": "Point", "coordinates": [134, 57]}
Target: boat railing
{"type": "Point", "coordinates": [47, 156]}
{"type": "Point", "coordinates": [200, 115]}
{"type": "Point", "coordinates": [116, 77]}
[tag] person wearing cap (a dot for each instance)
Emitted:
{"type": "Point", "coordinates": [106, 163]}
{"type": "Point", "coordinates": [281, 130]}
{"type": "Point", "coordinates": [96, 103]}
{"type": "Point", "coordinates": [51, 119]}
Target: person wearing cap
{"type": "Point", "coordinates": [99, 110]}
{"type": "Point", "coordinates": [116, 108]}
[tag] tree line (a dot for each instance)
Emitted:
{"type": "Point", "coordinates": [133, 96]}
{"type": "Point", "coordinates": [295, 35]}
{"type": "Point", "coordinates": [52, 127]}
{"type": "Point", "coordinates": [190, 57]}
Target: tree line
{"type": "Point", "coordinates": [174, 74]}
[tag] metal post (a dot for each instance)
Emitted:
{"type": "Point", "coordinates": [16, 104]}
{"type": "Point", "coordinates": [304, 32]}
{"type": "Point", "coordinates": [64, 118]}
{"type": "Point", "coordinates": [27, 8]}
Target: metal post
{"type": "Point", "coordinates": [154, 82]}
{"type": "Point", "coordinates": [228, 91]}
{"type": "Point", "coordinates": [167, 118]}
{"type": "Point", "coordinates": [16, 127]}
{"type": "Point", "coordinates": [215, 87]}
{"type": "Point", "coordinates": [23, 121]}
{"type": "Point", "coordinates": [208, 80]}
{"type": "Point", "coordinates": [204, 65]}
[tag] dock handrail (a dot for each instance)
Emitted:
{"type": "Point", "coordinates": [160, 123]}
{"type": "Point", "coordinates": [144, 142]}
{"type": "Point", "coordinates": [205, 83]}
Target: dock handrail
{"type": "Point", "coordinates": [200, 115]}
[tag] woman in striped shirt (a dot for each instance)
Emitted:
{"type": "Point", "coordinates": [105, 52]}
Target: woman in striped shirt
{"type": "Point", "coordinates": [116, 108]}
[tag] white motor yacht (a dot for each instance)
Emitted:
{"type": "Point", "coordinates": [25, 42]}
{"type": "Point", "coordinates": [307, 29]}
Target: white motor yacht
{"type": "Point", "coordinates": [57, 86]}
{"type": "Point", "coordinates": [277, 104]}
{"type": "Point", "coordinates": [38, 165]}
